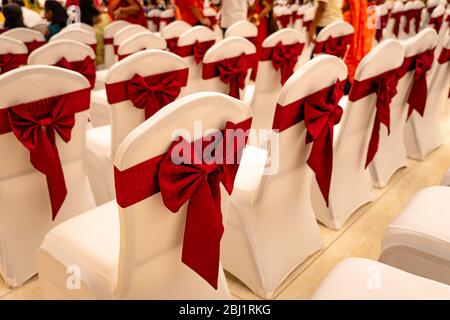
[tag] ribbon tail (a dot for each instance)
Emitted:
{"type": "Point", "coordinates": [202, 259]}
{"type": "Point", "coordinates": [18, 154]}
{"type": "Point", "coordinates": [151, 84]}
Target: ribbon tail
{"type": "Point", "coordinates": [373, 143]}
{"type": "Point", "coordinates": [418, 96]}
{"type": "Point", "coordinates": [234, 88]}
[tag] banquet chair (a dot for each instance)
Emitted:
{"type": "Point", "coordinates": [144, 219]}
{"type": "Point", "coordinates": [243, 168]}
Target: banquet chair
{"type": "Point", "coordinates": [412, 18]}
{"type": "Point", "coordinates": [79, 26]}
{"type": "Point", "coordinates": [166, 17]}
{"type": "Point", "coordinates": [281, 49]}
{"type": "Point", "coordinates": [298, 22]}
{"type": "Point", "coordinates": [391, 155]}
{"type": "Point", "coordinates": [283, 15]}
{"type": "Point", "coordinates": [122, 35]}
{"type": "Point", "coordinates": [382, 20]}
{"type": "Point", "coordinates": [271, 224]}
{"type": "Point", "coordinates": [33, 183]}
{"type": "Point", "coordinates": [68, 54]}
{"type": "Point", "coordinates": [395, 21]}
{"type": "Point", "coordinates": [108, 35]}
{"type": "Point", "coordinates": [308, 17]}
{"type": "Point", "coordinates": [351, 185]}
{"type": "Point", "coordinates": [430, 6]}
{"type": "Point", "coordinates": [334, 39]}
{"type": "Point", "coordinates": [212, 15]}
{"type": "Point", "coordinates": [422, 133]}
{"type": "Point", "coordinates": [437, 21]}
{"type": "Point", "coordinates": [226, 66]}
{"type": "Point", "coordinates": [244, 29]}
{"type": "Point", "coordinates": [192, 46]}
{"type": "Point", "coordinates": [13, 54]}
{"type": "Point", "coordinates": [296, 18]}
{"type": "Point", "coordinates": [133, 249]}
{"type": "Point", "coordinates": [78, 35]}
{"type": "Point", "coordinates": [31, 38]}
{"type": "Point", "coordinates": [364, 279]}
{"type": "Point", "coordinates": [153, 20]}
{"type": "Point", "coordinates": [157, 67]}
{"type": "Point", "coordinates": [173, 31]}
{"type": "Point", "coordinates": [138, 42]}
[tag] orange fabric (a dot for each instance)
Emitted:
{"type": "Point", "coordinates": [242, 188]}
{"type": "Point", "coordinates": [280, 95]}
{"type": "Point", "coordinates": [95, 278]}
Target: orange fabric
{"type": "Point", "coordinates": [362, 41]}
{"type": "Point", "coordinates": [137, 18]}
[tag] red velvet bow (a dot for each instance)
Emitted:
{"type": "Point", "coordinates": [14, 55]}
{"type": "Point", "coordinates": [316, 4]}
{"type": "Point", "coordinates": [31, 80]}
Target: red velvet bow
{"type": "Point", "coordinates": [193, 179]}
{"type": "Point", "coordinates": [197, 49]}
{"type": "Point", "coordinates": [172, 44]}
{"type": "Point", "coordinates": [231, 71]}
{"type": "Point", "coordinates": [284, 20]}
{"type": "Point", "coordinates": [213, 20]}
{"type": "Point", "coordinates": [420, 63]}
{"type": "Point", "coordinates": [444, 56]}
{"type": "Point", "coordinates": [85, 67]}
{"type": "Point", "coordinates": [383, 22]}
{"type": "Point", "coordinates": [320, 112]}
{"type": "Point", "coordinates": [10, 61]}
{"type": "Point", "coordinates": [33, 45]}
{"type": "Point", "coordinates": [436, 22]}
{"type": "Point", "coordinates": [397, 16]}
{"type": "Point", "coordinates": [334, 46]}
{"type": "Point", "coordinates": [156, 21]}
{"type": "Point", "coordinates": [385, 87]}
{"type": "Point", "coordinates": [150, 93]}
{"type": "Point", "coordinates": [412, 14]}
{"type": "Point", "coordinates": [284, 58]}
{"type": "Point", "coordinates": [35, 125]}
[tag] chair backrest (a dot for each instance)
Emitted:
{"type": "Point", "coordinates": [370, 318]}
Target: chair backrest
{"type": "Point", "coordinates": [108, 35]}
{"type": "Point", "coordinates": [189, 37]}
{"type": "Point", "coordinates": [228, 48]}
{"type": "Point", "coordinates": [76, 35]}
{"type": "Point", "coordinates": [32, 83]}
{"type": "Point", "coordinates": [15, 47]}
{"type": "Point", "coordinates": [357, 121]}
{"type": "Point", "coordinates": [124, 116]}
{"type": "Point", "coordinates": [148, 229]}
{"type": "Point", "coordinates": [127, 32]}
{"type": "Point", "coordinates": [141, 41]}
{"type": "Point", "coordinates": [244, 29]}
{"type": "Point", "coordinates": [167, 16]}
{"type": "Point", "coordinates": [24, 34]}
{"type": "Point", "coordinates": [52, 52]}
{"type": "Point", "coordinates": [175, 29]}
{"type": "Point", "coordinates": [79, 26]}
{"type": "Point", "coordinates": [283, 12]}
{"type": "Point", "coordinates": [397, 8]}
{"type": "Point", "coordinates": [308, 16]}
{"type": "Point", "coordinates": [153, 25]}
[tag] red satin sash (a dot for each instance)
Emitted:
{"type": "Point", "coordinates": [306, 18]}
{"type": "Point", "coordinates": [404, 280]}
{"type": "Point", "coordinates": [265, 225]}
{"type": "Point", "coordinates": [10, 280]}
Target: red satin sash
{"type": "Point", "coordinates": [57, 116]}
{"type": "Point", "coordinates": [197, 49]}
{"type": "Point", "coordinates": [107, 41]}
{"type": "Point", "coordinates": [231, 71]}
{"type": "Point", "coordinates": [284, 20]}
{"type": "Point", "coordinates": [436, 22]}
{"type": "Point", "coordinates": [33, 45]}
{"type": "Point", "coordinates": [149, 93]}
{"type": "Point", "coordinates": [10, 61]}
{"type": "Point", "coordinates": [413, 14]}
{"type": "Point", "coordinates": [383, 22]}
{"type": "Point", "coordinates": [444, 56]}
{"type": "Point", "coordinates": [397, 16]}
{"type": "Point", "coordinates": [320, 112]}
{"type": "Point", "coordinates": [172, 44]}
{"type": "Point", "coordinates": [189, 178]}
{"type": "Point", "coordinates": [334, 46]}
{"type": "Point", "coordinates": [283, 57]}
{"type": "Point", "coordinates": [85, 67]}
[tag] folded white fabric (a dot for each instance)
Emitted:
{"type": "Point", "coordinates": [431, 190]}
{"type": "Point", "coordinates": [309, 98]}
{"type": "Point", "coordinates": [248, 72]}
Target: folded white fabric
{"type": "Point", "coordinates": [364, 279]}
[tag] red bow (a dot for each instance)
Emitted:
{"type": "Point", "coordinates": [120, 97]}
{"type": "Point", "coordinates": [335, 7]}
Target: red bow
{"type": "Point", "coordinates": [172, 44]}
{"type": "Point", "coordinates": [307, 24]}
{"type": "Point", "coordinates": [397, 16]}
{"type": "Point", "coordinates": [385, 87]}
{"type": "Point", "coordinates": [33, 45]}
{"type": "Point", "coordinates": [56, 115]}
{"type": "Point", "coordinates": [436, 22]}
{"type": "Point", "coordinates": [85, 67]}
{"type": "Point", "coordinates": [412, 14]}
{"type": "Point", "coordinates": [320, 112]}
{"type": "Point", "coordinates": [10, 61]}
{"type": "Point", "coordinates": [420, 63]}
{"type": "Point", "coordinates": [334, 46]}
{"type": "Point", "coordinates": [156, 21]}
{"type": "Point", "coordinates": [197, 49]}
{"type": "Point", "coordinates": [284, 58]}
{"type": "Point", "coordinates": [444, 56]}
{"type": "Point", "coordinates": [284, 20]}
{"type": "Point", "coordinates": [383, 22]}
{"type": "Point", "coordinates": [189, 178]}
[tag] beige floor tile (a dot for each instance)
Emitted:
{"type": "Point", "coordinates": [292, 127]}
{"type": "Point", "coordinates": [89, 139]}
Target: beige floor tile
{"type": "Point", "coordinates": [29, 291]}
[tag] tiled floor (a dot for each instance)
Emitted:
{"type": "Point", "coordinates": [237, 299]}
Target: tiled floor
{"type": "Point", "coordinates": [360, 237]}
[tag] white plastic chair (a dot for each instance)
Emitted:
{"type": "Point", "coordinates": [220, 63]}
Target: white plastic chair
{"type": "Point", "coordinates": [228, 48]}
{"type": "Point", "coordinates": [31, 38]}
{"type": "Point", "coordinates": [188, 38]}
{"type": "Point", "coordinates": [351, 185]}
{"type": "Point", "coordinates": [422, 134]}
{"type": "Point", "coordinates": [15, 47]}
{"type": "Point", "coordinates": [108, 35]}
{"type": "Point", "coordinates": [25, 206]}
{"type": "Point", "coordinates": [391, 155]}
{"type": "Point", "coordinates": [268, 80]}
{"type": "Point", "coordinates": [135, 252]}
{"type": "Point", "coordinates": [272, 227]}
{"type": "Point", "coordinates": [102, 142]}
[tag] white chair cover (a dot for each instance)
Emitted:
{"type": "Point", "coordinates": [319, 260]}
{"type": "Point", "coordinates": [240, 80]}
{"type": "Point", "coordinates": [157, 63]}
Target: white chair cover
{"type": "Point", "coordinates": [52, 52]}
{"type": "Point", "coordinates": [244, 29]}
{"type": "Point", "coordinates": [80, 26]}
{"type": "Point", "coordinates": [397, 8]}
{"type": "Point", "coordinates": [10, 45]}
{"type": "Point", "coordinates": [108, 35]}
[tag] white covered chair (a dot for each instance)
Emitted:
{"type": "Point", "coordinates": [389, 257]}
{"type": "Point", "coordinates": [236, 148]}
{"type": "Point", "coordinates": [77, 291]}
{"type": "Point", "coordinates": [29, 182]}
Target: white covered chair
{"type": "Point", "coordinates": [166, 17]}
{"type": "Point", "coordinates": [351, 185]}
{"type": "Point", "coordinates": [272, 228]}
{"type": "Point", "coordinates": [422, 133]}
{"type": "Point", "coordinates": [173, 31]}
{"type": "Point", "coordinates": [103, 141]}
{"type": "Point", "coordinates": [196, 39]}
{"type": "Point", "coordinates": [134, 251]}
{"type": "Point", "coordinates": [108, 36]}
{"type": "Point", "coordinates": [235, 49]}
{"type": "Point", "coordinates": [153, 20]}
{"type": "Point", "coordinates": [395, 21]}
{"type": "Point", "coordinates": [212, 15]}
{"type": "Point", "coordinates": [79, 35]}
{"type": "Point", "coordinates": [382, 17]}
{"type": "Point", "coordinates": [437, 21]}
{"type": "Point", "coordinates": [308, 17]}
{"type": "Point", "coordinates": [283, 15]}
{"type": "Point", "coordinates": [244, 29]}
{"type": "Point", "coordinates": [138, 42]}
{"type": "Point", "coordinates": [79, 55]}
{"type": "Point", "coordinates": [418, 240]}
{"type": "Point", "coordinates": [79, 26]}
{"type": "Point", "coordinates": [31, 38]}
{"type": "Point", "coordinates": [334, 39]}
{"type": "Point", "coordinates": [26, 210]}
{"type": "Point", "coordinates": [391, 155]}
{"type": "Point", "coordinates": [412, 18]}
{"type": "Point", "coordinates": [268, 80]}
{"type": "Point", "coordinates": [13, 54]}
{"type": "Point", "coordinates": [364, 279]}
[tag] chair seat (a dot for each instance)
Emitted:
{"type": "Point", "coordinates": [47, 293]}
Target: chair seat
{"type": "Point", "coordinates": [98, 141]}
{"type": "Point", "coordinates": [363, 279]}
{"type": "Point", "coordinates": [91, 241]}
{"type": "Point", "coordinates": [418, 240]}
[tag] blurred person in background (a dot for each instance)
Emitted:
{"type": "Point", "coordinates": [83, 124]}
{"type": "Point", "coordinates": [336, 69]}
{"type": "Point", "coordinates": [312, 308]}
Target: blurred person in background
{"type": "Point", "coordinates": [13, 17]}
{"type": "Point", "coordinates": [233, 11]}
{"type": "Point", "coordinates": [56, 14]}
{"type": "Point", "coordinates": [191, 11]}
{"type": "Point", "coordinates": [327, 12]}
{"type": "Point", "coordinates": [128, 10]}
